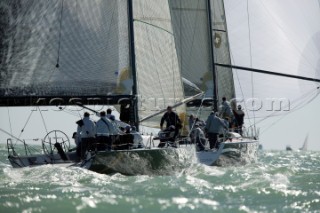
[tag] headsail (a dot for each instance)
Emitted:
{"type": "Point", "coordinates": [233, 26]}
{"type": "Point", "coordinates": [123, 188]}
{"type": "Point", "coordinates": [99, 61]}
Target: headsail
{"type": "Point", "coordinates": [159, 81]}
{"type": "Point", "coordinates": [278, 36]}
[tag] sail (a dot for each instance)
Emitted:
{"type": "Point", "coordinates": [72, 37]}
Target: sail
{"type": "Point", "coordinates": [159, 81]}
{"type": "Point", "coordinates": [191, 34]}
{"type": "Point", "coordinates": [195, 28]}
{"type": "Point", "coordinates": [63, 48]}
{"type": "Point", "coordinates": [278, 36]}
{"type": "Point", "coordinates": [305, 144]}
{"type": "Point", "coordinates": [221, 49]}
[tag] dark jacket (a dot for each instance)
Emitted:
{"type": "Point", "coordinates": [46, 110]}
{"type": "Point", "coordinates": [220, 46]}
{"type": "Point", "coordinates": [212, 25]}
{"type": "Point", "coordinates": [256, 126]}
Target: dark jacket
{"type": "Point", "coordinates": [171, 119]}
{"type": "Point", "coordinates": [239, 116]}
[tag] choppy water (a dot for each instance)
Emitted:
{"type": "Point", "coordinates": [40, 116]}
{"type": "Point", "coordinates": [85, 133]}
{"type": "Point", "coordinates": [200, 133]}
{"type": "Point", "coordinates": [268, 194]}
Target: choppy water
{"type": "Point", "coordinates": [279, 182]}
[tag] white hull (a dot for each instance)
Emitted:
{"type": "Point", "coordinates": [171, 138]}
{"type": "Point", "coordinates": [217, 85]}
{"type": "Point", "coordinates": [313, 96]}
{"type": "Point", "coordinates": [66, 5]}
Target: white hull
{"type": "Point", "coordinates": [40, 159]}
{"type": "Point", "coordinates": [230, 153]}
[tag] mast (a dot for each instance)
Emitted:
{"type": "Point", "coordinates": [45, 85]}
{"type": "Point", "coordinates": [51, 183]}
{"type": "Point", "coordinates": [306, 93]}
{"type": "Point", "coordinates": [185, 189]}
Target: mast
{"type": "Point", "coordinates": [211, 55]}
{"type": "Point", "coordinates": [134, 100]}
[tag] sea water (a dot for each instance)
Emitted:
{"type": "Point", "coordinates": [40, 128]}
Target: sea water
{"type": "Point", "coordinates": [280, 181]}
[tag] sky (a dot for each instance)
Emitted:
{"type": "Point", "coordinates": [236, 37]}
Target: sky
{"type": "Point", "coordinates": [275, 133]}
{"type": "Point", "coordinates": [292, 129]}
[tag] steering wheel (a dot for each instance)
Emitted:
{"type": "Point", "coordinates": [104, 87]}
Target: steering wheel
{"type": "Point", "coordinates": [53, 139]}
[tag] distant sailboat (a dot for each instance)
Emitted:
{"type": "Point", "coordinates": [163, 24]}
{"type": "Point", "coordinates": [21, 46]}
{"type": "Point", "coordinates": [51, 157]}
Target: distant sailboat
{"type": "Point", "coordinates": [305, 144]}
{"type": "Point", "coordinates": [288, 148]}
{"type": "Point", "coordinates": [303, 148]}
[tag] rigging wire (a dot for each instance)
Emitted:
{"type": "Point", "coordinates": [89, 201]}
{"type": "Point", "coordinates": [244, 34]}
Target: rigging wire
{"type": "Point", "coordinates": [250, 52]}
{"type": "Point", "coordinates": [241, 89]}
{"type": "Point", "coordinates": [240, 86]}
{"type": "Point", "coordinates": [14, 137]}
{"type": "Point", "coordinates": [299, 105]}
{"type": "Point", "coordinates": [302, 104]}
{"type": "Point", "coordinates": [249, 29]}
{"type": "Point", "coordinates": [242, 93]}
{"type": "Point", "coordinates": [22, 130]}
{"type": "Point", "coordinates": [198, 114]}
{"type": "Point", "coordinates": [44, 123]}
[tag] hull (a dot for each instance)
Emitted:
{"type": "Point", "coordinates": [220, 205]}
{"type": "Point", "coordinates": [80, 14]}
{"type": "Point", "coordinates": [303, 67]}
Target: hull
{"type": "Point", "coordinates": [155, 161]}
{"type": "Point", "coordinates": [151, 161]}
{"type": "Point", "coordinates": [40, 159]}
{"type": "Point", "coordinates": [230, 153]}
